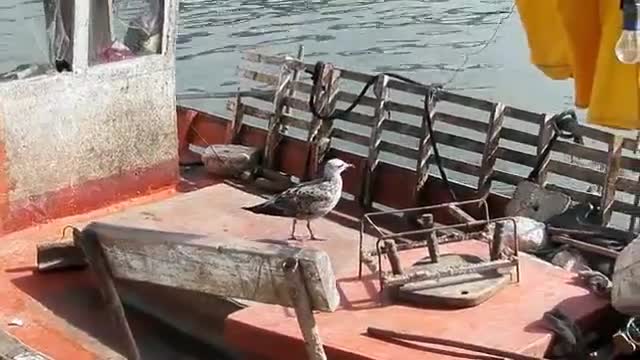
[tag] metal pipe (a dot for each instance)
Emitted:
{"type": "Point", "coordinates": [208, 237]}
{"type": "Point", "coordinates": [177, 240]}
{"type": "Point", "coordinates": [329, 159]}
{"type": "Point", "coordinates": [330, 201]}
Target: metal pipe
{"type": "Point", "coordinates": [384, 334]}
{"type": "Point", "coordinates": [586, 246]}
{"type": "Point", "coordinates": [447, 227]}
{"type": "Point", "coordinates": [422, 275]}
{"type": "Point", "coordinates": [394, 259]}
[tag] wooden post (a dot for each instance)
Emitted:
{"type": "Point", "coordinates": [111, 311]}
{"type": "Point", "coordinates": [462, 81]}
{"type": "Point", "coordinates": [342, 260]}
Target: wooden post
{"type": "Point", "coordinates": [424, 149]}
{"type": "Point", "coordinates": [276, 127]}
{"type": "Point", "coordinates": [320, 129]}
{"type": "Point", "coordinates": [613, 170]}
{"type": "Point", "coordinates": [90, 245]}
{"type": "Point", "coordinates": [544, 136]}
{"type": "Point", "coordinates": [490, 152]}
{"type": "Point", "coordinates": [233, 129]}
{"type": "Point", "coordinates": [323, 137]}
{"type": "Point", "coordinates": [392, 255]}
{"type": "Point", "coordinates": [496, 243]}
{"type": "Point", "coordinates": [382, 95]}
{"type": "Point", "coordinates": [296, 77]}
{"type": "Point", "coordinates": [432, 239]}
{"type": "Point", "coordinates": [303, 309]}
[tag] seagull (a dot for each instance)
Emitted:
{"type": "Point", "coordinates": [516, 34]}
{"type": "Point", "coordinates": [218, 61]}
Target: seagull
{"type": "Point", "coordinates": [309, 200]}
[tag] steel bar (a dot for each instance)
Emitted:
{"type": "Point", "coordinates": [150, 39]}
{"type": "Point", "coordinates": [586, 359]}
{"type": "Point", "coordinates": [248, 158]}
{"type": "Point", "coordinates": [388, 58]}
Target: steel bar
{"type": "Point", "coordinates": [422, 275]}
{"type": "Point", "coordinates": [384, 334]}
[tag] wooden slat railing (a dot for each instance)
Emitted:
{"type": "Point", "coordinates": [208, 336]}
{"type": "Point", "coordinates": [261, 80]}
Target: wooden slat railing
{"type": "Point", "coordinates": [611, 170]}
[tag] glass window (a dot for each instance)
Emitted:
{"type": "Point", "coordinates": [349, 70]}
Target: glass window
{"type": "Point", "coordinates": [123, 29]}
{"type": "Point", "coordinates": [36, 38]}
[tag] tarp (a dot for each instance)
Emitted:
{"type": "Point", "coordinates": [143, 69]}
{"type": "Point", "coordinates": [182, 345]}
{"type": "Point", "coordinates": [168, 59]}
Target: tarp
{"type": "Point", "coordinates": [576, 39]}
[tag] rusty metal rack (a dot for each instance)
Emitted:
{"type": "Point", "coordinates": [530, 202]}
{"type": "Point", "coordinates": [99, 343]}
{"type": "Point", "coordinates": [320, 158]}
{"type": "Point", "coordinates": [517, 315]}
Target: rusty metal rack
{"type": "Point", "coordinates": [385, 244]}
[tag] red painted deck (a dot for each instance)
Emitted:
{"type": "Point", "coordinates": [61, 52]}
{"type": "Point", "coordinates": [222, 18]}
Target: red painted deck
{"type": "Point", "coordinates": [64, 317]}
{"type": "Point", "coordinates": [510, 320]}
{"type": "Point", "coordinates": [62, 313]}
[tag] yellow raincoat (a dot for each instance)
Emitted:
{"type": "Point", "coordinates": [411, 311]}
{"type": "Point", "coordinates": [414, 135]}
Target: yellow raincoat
{"type": "Point", "coordinates": [576, 38]}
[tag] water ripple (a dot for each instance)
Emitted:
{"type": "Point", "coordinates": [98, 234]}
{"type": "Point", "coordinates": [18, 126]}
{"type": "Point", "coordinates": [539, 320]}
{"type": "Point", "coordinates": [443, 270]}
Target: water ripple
{"type": "Point", "coordinates": [421, 38]}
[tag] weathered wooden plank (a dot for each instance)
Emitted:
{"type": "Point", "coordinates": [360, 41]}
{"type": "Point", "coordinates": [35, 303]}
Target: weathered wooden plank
{"type": "Point", "coordinates": [289, 120]}
{"type": "Point", "coordinates": [522, 115]}
{"type": "Point", "coordinates": [238, 269]}
{"type": "Point", "coordinates": [609, 186]}
{"type": "Point", "coordinates": [380, 115]}
{"type": "Point", "coordinates": [268, 79]}
{"type": "Point", "coordinates": [506, 177]}
{"type": "Point", "coordinates": [489, 155]}
{"type": "Point", "coordinates": [349, 136]}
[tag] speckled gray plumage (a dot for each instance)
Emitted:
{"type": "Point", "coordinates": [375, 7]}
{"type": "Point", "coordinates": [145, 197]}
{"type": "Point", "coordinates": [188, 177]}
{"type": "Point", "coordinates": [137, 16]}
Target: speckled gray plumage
{"type": "Point", "coordinates": [309, 200]}
{"type": "Point", "coordinates": [306, 201]}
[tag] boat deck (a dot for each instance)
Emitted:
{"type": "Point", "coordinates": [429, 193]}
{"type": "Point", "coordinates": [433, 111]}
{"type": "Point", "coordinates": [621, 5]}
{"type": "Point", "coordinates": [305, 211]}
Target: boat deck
{"type": "Point", "coordinates": [59, 310]}
{"type": "Point", "coordinates": [62, 314]}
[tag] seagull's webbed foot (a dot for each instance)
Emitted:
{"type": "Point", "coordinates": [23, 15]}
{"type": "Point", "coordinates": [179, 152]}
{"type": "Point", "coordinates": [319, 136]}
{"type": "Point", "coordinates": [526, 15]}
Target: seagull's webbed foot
{"type": "Point", "coordinates": [311, 235]}
{"type": "Point", "coordinates": [292, 236]}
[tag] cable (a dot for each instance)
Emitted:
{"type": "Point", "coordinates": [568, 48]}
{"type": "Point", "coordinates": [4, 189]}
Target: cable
{"type": "Point", "coordinates": [565, 125]}
{"type": "Point", "coordinates": [430, 97]}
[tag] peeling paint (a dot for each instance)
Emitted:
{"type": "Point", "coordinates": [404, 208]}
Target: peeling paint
{"type": "Point", "coordinates": [110, 121]}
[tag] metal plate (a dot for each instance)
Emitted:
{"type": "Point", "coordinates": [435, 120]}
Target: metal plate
{"type": "Point", "coordinates": [454, 292]}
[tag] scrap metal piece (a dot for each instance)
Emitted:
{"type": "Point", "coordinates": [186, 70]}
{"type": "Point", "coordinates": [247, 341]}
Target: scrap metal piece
{"type": "Point", "coordinates": [392, 255]}
{"type": "Point", "coordinates": [385, 334]}
{"type": "Point", "coordinates": [468, 279]}
{"type": "Point", "coordinates": [458, 291]}
{"type": "Point", "coordinates": [432, 240]}
{"type": "Point", "coordinates": [59, 255]}
{"type": "Point", "coordinates": [533, 201]}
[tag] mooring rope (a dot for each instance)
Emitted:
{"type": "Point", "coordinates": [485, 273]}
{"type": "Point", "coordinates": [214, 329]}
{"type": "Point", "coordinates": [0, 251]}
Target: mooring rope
{"type": "Point", "coordinates": [431, 95]}
{"type": "Point", "coordinates": [565, 125]}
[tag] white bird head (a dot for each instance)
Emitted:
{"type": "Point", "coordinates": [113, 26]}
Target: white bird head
{"type": "Point", "coordinates": [335, 167]}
